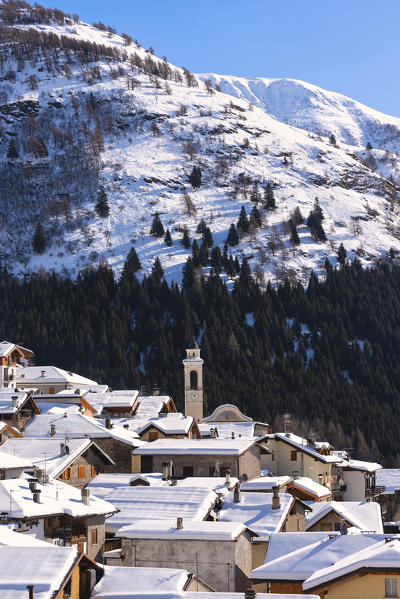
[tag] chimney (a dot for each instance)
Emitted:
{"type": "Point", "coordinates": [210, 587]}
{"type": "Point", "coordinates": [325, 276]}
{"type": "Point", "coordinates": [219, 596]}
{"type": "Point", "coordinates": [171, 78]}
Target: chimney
{"type": "Point", "coordinates": [40, 474]}
{"type": "Point", "coordinates": [30, 591]}
{"type": "Point", "coordinates": [52, 430]}
{"type": "Point", "coordinates": [179, 523]}
{"type": "Point", "coordinates": [32, 484]}
{"type": "Point", "coordinates": [126, 427]}
{"type": "Point", "coordinates": [108, 422]}
{"type": "Point", "coordinates": [228, 478]}
{"type": "Point", "coordinates": [86, 496]}
{"type": "Point", "coordinates": [43, 373]}
{"type": "Point", "coordinates": [236, 493]}
{"type": "Point", "coordinates": [36, 495]}
{"type": "Point", "coordinates": [276, 500]}
{"type": "Point", "coordinates": [64, 449]}
{"type": "Point", "coordinates": [233, 434]}
{"type": "Point", "coordinates": [165, 470]}
{"type": "Point", "coordinates": [250, 594]}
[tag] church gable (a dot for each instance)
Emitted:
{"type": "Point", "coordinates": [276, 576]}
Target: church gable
{"type": "Point", "coordinates": [227, 413]}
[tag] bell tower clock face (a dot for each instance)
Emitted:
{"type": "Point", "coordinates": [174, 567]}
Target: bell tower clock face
{"type": "Point", "coordinates": [194, 395]}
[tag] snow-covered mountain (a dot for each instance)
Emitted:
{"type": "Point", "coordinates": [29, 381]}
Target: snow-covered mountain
{"type": "Point", "coordinates": [316, 110]}
{"type": "Point", "coordinates": [83, 110]}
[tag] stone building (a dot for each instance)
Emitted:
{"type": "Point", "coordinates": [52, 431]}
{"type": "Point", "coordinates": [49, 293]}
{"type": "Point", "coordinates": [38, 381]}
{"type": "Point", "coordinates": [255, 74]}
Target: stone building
{"type": "Point", "coordinates": [202, 457]}
{"type": "Point", "coordinates": [218, 553]}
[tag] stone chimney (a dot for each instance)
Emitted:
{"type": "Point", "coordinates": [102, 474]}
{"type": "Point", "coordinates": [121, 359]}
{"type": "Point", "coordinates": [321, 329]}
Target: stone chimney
{"type": "Point", "coordinates": [32, 484]}
{"type": "Point", "coordinates": [237, 494]}
{"type": "Point", "coordinates": [85, 496]}
{"type": "Point", "coordinates": [14, 401]}
{"type": "Point", "coordinates": [276, 500]}
{"type": "Point", "coordinates": [64, 449]}
{"type": "Point", "coordinates": [179, 523]}
{"type": "Point", "coordinates": [36, 495]}
{"type": "Point", "coordinates": [108, 422]}
{"type": "Point", "coordinates": [40, 474]}
{"type": "Point", "coordinates": [52, 430]}
{"type": "Point", "coordinates": [43, 373]}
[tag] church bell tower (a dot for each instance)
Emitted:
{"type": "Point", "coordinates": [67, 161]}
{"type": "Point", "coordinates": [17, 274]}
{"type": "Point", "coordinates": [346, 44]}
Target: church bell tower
{"type": "Point", "coordinates": [193, 365]}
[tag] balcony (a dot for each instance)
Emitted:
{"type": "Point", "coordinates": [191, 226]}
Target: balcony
{"type": "Point", "coordinates": [373, 491]}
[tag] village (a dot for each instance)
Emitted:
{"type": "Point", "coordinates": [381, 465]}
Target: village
{"type": "Point", "coordinates": [107, 494]}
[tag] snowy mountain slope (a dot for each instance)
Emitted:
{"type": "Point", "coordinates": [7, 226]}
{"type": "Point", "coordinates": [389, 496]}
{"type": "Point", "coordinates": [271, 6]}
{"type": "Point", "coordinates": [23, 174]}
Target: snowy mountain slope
{"type": "Point", "coordinates": [142, 143]}
{"type": "Point", "coordinates": [314, 109]}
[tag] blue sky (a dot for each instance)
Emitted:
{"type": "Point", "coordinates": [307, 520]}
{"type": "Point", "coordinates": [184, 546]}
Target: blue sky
{"type": "Point", "coordinates": [349, 46]}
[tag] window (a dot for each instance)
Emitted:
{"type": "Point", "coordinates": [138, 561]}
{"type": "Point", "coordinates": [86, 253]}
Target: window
{"type": "Point", "coordinates": [390, 587]}
{"type": "Point", "coordinates": [153, 436]}
{"type": "Point", "coordinates": [94, 536]}
{"type": "Point", "coordinates": [67, 474]}
{"type": "Point", "coordinates": [51, 390]}
{"type": "Point", "coordinates": [187, 471]}
{"type": "Point", "coordinates": [81, 471]}
{"type": "Point", "coordinates": [193, 379]}
{"type": "Point", "coordinates": [211, 470]}
{"type": "Point", "coordinates": [293, 456]}
{"type": "Point", "coordinates": [273, 456]}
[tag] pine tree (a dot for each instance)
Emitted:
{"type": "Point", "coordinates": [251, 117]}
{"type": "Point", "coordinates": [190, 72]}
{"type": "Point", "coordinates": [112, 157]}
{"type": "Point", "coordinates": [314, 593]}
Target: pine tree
{"type": "Point", "coordinates": [12, 152]}
{"type": "Point", "coordinates": [203, 254]}
{"type": "Point", "coordinates": [216, 259]}
{"type": "Point", "coordinates": [245, 273]}
{"type": "Point", "coordinates": [314, 222]}
{"type": "Point", "coordinates": [208, 238]}
{"type": "Point", "coordinates": [269, 197]}
{"type": "Point", "coordinates": [195, 177]}
{"type": "Point", "coordinates": [157, 229]}
{"type": "Point", "coordinates": [332, 139]}
{"type": "Point", "coordinates": [233, 237]}
{"type": "Point", "coordinates": [189, 273]}
{"type": "Point", "coordinates": [168, 238]}
{"type": "Point", "coordinates": [195, 254]}
{"type": "Point", "coordinates": [102, 206]}
{"type": "Point", "coordinates": [39, 240]}
{"type": "Point", "coordinates": [225, 255]}
{"type": "Point", "coordinates": [294, 236]}
{"type": "Point", "coordinates": [185, 239]}
{"type": "Point", "coordinates": [255, 195]}
{"type": "Point", "coordinates": [255, 214]}
{"type": "Point", "coordinates": [201, 227]}
{"type": "Point", "coordinates": [369, 146]}
{"type": "Point", "coordinates": [157, 268]}
{"type": "Point", "coordinates": [132, 264]}
{"type": "Point", "coordinates": [243, 222]}
{"type": "Point", "coordinates": [342, 255]}
{"type": "Point", "coordinates": [297, 217]}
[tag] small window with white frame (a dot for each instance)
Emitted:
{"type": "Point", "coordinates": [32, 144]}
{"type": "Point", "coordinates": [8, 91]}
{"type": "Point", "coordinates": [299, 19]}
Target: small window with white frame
{"type": "Point", "coordinates": [391, 587]}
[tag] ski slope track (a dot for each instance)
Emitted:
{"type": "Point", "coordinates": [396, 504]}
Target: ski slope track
{"type": "Point", "coordinates": [273, 130]}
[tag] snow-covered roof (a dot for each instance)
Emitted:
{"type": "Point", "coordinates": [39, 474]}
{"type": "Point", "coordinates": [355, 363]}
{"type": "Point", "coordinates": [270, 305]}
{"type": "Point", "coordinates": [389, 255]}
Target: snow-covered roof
{"type": "Point", "coordinates": [10, 536]}
{"type": "Point", "coordinates": [384, 554]}
{"type": "Point", "coordinates": [256, 512]}
{"type": "Point", "coordinates": [265, 483]}
{"type": "Point", "coordinates": [103, 484]}
{"type": "Point", "coordinates": [9, 461]}
{"type": "Point", "coordinates": [196, 447]}
{"type": "Point", "coordinates": [150, 405]}
{"type": "Point", "coordinates": [6, 347]}
{"type": "Point", "coordinates": [214, 483]}
{"type": "Point", "coordinates": [56, 497]}
{"type": "Point", "coordinates": [389, 478]}
{"type": "Point", "coordinates": [159, 503]}
{"type": "Point", "coordinates": [12, 429]}
{"type": "Point", "coordinates": [52, 374]}
{"type": "Point", "coordinates": [173, 423]}
{"type": "Point", "coordinates": [239, 429]}
{"type": "Point", "coordinates": [11, 401]}
{"type": "Point", "coordinates": [309, 486]}
{"type": "Point", "coordinates": [302, 560]}
{"type": "Point", "coordinates": [46, 453]}
{"type": "Point", "coordinates": [301, 444]}
{"type": "Point", "coordinates": [119, 582]}
{"type": "Point", "coordinates": [77, 426]}
{"type": "Point", "coordinates": [57, 408]}
{"type": "Point", "coordinates": [44, 567]}
{"type": "Point", "coordinates": [365, 515]}
{"type": "Point", "coordinates": [113, 399]}
{"type": "Point", "coordinates": [360, 465]}
{"type": "Point", "coordinates": [192, 529]}
{"type": "Point", "coordinates": [283, 543]}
